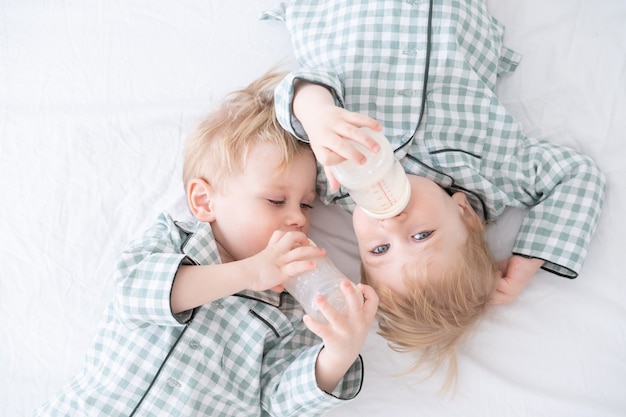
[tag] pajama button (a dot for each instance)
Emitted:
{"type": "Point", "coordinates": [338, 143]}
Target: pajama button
{"type": "Point", "coordinates": [194, 344]}
{"type": "Point", "coordinates": [407, 93]}
{"type": "Point", "coordinates": [402, 138]}
{"type": "Point", "coordinates": [414, 2]}
{"type": "Point", "coordinates": [173, 383]}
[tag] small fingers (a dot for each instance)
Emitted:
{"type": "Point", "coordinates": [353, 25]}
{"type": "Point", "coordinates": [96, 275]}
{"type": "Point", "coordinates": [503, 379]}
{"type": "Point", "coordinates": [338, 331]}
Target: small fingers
{"type": "Point", "coordinates": [286, 241]}
{"type": "Point", "coordinates": [329, 312]}
{"type": "Point", "coordinates": [315, 326]}
{"type": "Point", "coordinates": [356, 129]}
{"type": "Point", "coordinates": [502, 294]}
{"type": "Point", "coordinates": [278, 288]}
{"type": "Point", "coordinates": [361, 120]}
{"type": "Point", "coordinates": [332, 181]}
{"type": "Point", "coordinates": [360, 129]}
{"type": "Point", "coordinates": [503, 265]}
{"type": "Point", "coordinates": [364, 138]}
{"type": "Point", "coordinates": [371, 300]}
{"type": "Point", "coordinates": [328, 155]}
{"type": "Point", "coordinates": [291, 269]}
{"type": "Point", "coordinates": [297, 239]}
{"type": "Point", "coordinates": [501, 298]}
{"type": "Point", "coordinates": [341, 149]}
{"type": "Point", "coordinates": [302, 258]}
{"type": "Point", "coordinates": [276, 236]}
{"type": "Point", "coordinates": [306, 251]}
{"type": "Point", "coordinates": [354, 299]}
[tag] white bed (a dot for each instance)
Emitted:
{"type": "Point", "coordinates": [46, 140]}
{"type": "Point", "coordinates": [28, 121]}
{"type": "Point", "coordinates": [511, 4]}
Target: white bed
{"type": "Point", "coordinates": [96, 98]}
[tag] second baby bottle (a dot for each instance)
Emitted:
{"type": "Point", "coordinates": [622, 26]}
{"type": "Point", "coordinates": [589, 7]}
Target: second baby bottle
{"type": "Point", "coordinates": [325, 280]}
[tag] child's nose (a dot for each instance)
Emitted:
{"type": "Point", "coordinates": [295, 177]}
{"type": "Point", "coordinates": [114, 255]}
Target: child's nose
{"type": "Point", "coordinates": [296, 218]}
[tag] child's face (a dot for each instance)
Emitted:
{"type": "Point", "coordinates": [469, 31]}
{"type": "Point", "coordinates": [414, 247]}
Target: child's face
{"type": "Point", "coordinates": [261, 200]}
{"type": "Point", "coordinates": [427, 233]}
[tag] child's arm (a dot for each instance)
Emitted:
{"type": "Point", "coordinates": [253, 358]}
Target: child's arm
{"type": "Point", "coordinates": [343, 335]}
{"type": "Point", "coordinates": [328, 126]}
{"type": "Point", "coordinates": [564, 191]}
{"type": "Point", "coordinates": [286, 255]}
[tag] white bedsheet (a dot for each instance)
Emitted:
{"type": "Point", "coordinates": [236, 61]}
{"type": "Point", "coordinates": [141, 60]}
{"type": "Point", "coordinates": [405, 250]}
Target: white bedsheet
{"type": "Point", "coordinates": [96, 98]}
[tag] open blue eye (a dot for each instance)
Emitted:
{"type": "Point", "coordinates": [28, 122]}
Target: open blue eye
{"type": "Point", "coordinates": [422, 235]}
{"type": "Point", "coordinates": [378, 250]}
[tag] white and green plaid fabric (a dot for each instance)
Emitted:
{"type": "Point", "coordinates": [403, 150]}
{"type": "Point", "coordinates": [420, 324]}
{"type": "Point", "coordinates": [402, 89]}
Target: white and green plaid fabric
{"type": "Point", "coordinates": [244, 355]}
{"type": "Point", "coordinates": [372, 57]}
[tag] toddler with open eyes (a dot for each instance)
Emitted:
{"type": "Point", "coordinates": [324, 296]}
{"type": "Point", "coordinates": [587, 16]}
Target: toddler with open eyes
{"type": "Point", "coordinates": [424, 73]}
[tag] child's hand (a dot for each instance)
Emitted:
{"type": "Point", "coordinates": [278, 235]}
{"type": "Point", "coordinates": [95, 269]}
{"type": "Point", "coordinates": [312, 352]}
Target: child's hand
{"type": "Point", "coordinates": [330, 128]}
{"type": "Point", "coordinates": [516, 273]}
{"type": "Point", "coordinates": [286, 255]}
{"type": "Point", "coordinates": [343, 335]}
{"type": "Point", "coordinates": [331, 137]}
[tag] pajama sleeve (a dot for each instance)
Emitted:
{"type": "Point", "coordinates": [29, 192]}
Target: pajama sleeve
{"type": "Point", "coordinates": [284, 93]}
{"type": "Point", "coordinates": [145, 274]}
{"type": "Point", "coordinates": [289, 382]}
{"type": "Point", "coordinates": [568, 191]}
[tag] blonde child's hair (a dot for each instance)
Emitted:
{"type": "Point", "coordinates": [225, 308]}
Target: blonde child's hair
{"type": "Point", "coordinates": [219, 147]}
{"type": "Point", "coordinates": [437, 311]}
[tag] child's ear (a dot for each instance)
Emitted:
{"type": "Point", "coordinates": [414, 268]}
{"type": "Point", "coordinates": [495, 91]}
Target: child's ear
{"type": "Point", "coordinates": [199, 199]}
{"type": "Point", "coordinates": [464, 205]}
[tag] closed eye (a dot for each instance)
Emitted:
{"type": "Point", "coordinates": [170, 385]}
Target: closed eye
{"type": "Point", "coordinates": [278, 203]}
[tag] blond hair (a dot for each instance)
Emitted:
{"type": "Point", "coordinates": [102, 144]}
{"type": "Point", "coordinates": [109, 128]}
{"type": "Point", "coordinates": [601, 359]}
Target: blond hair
{"type": "Point", "coordinates": [219, 147]}
{"type": "Point", "coordinates": [437, 311]}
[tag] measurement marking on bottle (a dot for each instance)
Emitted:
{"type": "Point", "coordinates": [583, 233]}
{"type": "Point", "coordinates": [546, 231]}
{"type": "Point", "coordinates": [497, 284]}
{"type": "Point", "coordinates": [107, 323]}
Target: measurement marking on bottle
{"type": "Point", "coordinates": [384, 194]}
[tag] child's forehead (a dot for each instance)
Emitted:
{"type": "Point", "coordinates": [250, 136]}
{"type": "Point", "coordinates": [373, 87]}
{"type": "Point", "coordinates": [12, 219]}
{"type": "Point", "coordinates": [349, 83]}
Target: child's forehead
{"type": "Point", "coordinates": [263, 151]}
{"type": "Point", "coordinates": [273, 160]}
{"type": "Point", "coordinates": [276, 149]}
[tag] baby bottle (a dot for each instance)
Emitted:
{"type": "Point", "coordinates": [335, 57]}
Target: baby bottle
{"type": "Point", "coordinates": [325, 279]}
{"type": "Point", "coordinates": [380, 186]}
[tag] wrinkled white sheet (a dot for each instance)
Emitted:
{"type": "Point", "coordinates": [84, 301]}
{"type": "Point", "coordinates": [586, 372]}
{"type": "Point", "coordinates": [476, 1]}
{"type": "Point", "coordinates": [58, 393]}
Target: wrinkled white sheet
{"type": "Point", "coordinates": [96, 98]}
